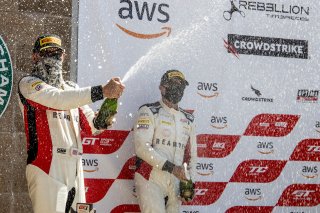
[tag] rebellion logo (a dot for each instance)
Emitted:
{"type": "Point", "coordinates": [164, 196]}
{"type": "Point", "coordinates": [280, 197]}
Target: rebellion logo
{"type": "Point", "coordinates": [307, 96]}
{"type": "Point", "coordinates": [6, 75]}
{"type": "Point", "coordinates": [266, 46]}
{"type": "Point", "coordinates": [207, 90]}
{"type": "Point", "coordinates": [145, 11]}
{"type": "Point", "coordinates": [257, 98]}
{"type": "Point", "coordinates": [275, 10]}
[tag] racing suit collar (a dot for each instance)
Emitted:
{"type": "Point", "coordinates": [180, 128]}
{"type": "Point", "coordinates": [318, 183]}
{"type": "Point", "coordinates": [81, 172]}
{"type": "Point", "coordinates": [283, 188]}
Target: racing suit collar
{"type": "Point", "coordinates": [168, 109]}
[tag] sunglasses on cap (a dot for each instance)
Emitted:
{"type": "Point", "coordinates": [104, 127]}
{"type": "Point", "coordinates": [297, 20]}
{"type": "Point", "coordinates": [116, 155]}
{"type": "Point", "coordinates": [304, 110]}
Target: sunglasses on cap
{"type": "Point", "coordinates": [52, 52]}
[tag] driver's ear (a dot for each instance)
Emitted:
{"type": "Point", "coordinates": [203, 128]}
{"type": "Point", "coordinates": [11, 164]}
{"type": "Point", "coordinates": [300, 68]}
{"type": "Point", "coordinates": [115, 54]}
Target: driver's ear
{"type": "Point", "coordinates": [162, 89]}
{"type": "Point", "coordinates": [35, 57]}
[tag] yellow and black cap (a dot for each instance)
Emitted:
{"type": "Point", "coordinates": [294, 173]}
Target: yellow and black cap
{"type": "Point", "coordinates": [170, 74]}
{"type": "Point", "coordinates": [46, 41]}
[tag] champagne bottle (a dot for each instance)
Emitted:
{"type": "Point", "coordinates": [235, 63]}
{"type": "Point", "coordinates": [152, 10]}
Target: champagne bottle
{"type": "Point", "coordinates": [186, 186]}
{"type": "Point", "coordinates": [107, 110]}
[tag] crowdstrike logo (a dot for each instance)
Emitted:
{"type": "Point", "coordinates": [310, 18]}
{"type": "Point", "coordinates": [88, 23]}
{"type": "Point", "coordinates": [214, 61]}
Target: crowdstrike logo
{"type": "Point", "coordinates": [258, 98]}
{"type": "Point", "coordinates": [144, 11]}
{"type": "Point", "coordinates": [266, 46]}
{"type": "Point", "coordinates": [271, 9]}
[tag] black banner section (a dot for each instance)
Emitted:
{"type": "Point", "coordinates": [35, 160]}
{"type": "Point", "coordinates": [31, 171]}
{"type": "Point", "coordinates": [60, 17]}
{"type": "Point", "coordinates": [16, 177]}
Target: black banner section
{"type": "Point", "coordinates": [266, 46]}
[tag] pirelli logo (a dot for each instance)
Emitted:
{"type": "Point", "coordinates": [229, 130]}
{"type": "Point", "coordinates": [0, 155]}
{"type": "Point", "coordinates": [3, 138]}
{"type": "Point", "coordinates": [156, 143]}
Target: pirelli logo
{"type": "Point", "coordinates": [50, 40]}
{"type": "Point", "coordinates": [267, 46]}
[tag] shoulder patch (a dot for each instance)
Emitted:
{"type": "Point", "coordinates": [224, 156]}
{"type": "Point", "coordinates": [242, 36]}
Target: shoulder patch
{"type": "Point", "coordinates": [188, 115]}
{"type": "Point", "coordinates": [154, 107]}
{"type": "Point", "coordinates": [32, 83]}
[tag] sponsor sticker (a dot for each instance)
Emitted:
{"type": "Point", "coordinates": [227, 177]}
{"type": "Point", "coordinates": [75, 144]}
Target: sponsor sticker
{"type": "Point", "coordinates": [143, 121]}
{"type": "Point", "coordinates": [50, 40]}
{"type": "Point", "coordinates": [267, 46]}
{"type": "Point", "coordinates": [166, 122]}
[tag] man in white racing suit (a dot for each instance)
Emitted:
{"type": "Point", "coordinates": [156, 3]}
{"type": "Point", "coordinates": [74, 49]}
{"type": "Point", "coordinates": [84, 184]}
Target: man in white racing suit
{"type": "Point", "coordinates": [164, 139]}
{"type": "Point", "coordinates": [54, 112]}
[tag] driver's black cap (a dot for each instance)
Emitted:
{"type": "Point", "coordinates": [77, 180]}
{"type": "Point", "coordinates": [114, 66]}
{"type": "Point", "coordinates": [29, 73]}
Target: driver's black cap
{"type": "Point", "coordinates": [47, 41]}
{"type": "Point", "coordinates": [173, 74]}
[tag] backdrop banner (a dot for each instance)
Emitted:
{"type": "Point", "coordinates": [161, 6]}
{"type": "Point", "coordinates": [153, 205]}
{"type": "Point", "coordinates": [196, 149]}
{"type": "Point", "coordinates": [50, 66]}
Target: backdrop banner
{"type": "Point", "coordinates": [253, 70]}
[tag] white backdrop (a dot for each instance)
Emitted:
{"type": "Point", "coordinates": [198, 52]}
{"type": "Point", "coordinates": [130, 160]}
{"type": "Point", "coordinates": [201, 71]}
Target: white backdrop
{"type": "Point", "coordinates": [254, 89]}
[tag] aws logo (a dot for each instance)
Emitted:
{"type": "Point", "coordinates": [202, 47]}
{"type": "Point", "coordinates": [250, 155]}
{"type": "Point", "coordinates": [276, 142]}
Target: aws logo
{"type": "Point", "coordinates": [90, 165]}
{"type": "Point", "coordinates": [205, 169]}
{"type": "Point", "coordinates": [310, 172]}
{"type": "Point", "coordinates": [207, 90]}
{"type": "Point", "coordinates": [219, 122]}
{"type": "Point", "coordinates": [265, 147]}
{"type": "Point", "coordinates": [144, 11]}
{"type": "Point", "coordinates": [253, 194]}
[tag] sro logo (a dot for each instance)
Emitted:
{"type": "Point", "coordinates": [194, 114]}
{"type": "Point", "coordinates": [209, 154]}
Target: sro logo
{"type": "Point", "coordinates": [218, 145]}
